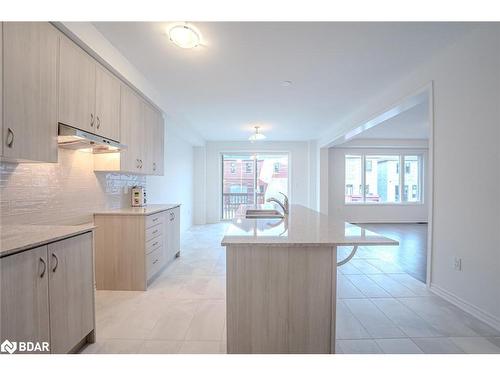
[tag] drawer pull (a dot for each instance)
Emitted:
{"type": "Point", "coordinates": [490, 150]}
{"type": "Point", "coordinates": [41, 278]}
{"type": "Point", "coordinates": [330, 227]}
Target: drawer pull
{"type": "Point", "coordinates": [155, 261]}
{"type": "Point", "coordinates": [156, 243]}
{"type": "Point", "coordinates": [155, 219]}
{"type": "Point", "coordinates": [155, 231]}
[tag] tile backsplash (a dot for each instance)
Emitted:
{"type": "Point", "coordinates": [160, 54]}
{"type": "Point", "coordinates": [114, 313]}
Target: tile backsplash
{"type": "Point", "coordinates": [68, 192]}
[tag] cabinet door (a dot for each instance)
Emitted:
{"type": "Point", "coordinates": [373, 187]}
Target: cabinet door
{"type": "Point", "coordinates": [107, 104]}
{"type": "Point", "coordinates": [71, 285]}
{"type": "Point", "coordinates": [25, 296]}
{"type": "Point", "coordinates": [77, 73]}
{"type": "Point", "coordinates": [131, 130]}
{"type": "Point", "coordinates": [149, 126]}
{"type": "Point", "coordinates": [158, 148]}
{"type": "Point", "coordinates": [30, 51]}
{"type": "Point", "coordinates": [172, 236]}
{"type": "Point", "coordinates": [176, 236]}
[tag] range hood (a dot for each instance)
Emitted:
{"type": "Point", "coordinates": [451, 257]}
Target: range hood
{"type": "Point", "coordinates": [76, 139]}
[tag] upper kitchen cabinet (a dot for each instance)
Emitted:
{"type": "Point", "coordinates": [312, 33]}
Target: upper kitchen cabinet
{"type": "Point", "coordinates": [141, 129]}
{"type": "Point", "coordinates": [30, 52]}
{"type": "Point", "coordinates": [76, 87]}
{"type": "Point", "coordinates": [153, 128]}
{"type": "Point", "coordinates": [131, 127]}
{"type": "Point", "coordinates": [158, 149]}
{"type": "Point", "coordinates": [107, 121]}
{"type": "Point", "coordinates": [89, 95]}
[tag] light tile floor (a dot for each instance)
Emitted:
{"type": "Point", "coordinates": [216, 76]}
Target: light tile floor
{"type": "Point", "coordinates": [380, 309]}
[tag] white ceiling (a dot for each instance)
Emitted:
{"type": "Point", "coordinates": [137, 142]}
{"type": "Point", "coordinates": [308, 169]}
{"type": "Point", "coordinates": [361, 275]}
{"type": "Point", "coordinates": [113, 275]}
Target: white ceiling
{"type": "Point", "coordinates": [410, 124]}
{"type": "Point", "coordinates": [225, 87]}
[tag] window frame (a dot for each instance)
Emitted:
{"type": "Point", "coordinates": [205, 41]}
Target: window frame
{"type": "Point", "coordinates": [401, 156]}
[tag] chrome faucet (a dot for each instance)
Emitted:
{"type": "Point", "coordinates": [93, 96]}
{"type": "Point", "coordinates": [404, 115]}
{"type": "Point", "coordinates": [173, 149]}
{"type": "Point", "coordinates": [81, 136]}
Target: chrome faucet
{"type": "Point", "coordinates": [283, 205]}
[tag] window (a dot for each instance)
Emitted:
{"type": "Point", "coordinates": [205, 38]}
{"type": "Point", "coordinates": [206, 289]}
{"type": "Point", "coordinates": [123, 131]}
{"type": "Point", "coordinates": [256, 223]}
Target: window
{"type": "Point", "coordinates": [412, 177]}
{"type": "Point", "coordinates": [368, 165]}
{"type": "Point", "coordinates": [251, 179]}
{"type": "Point", "coordinates": [353, 176]}
{"type": "Point", "coordinates": [381, 180]}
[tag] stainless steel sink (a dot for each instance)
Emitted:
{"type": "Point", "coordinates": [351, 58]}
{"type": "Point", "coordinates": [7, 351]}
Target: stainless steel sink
{"type": "Point", "coordinates": [263, 214]}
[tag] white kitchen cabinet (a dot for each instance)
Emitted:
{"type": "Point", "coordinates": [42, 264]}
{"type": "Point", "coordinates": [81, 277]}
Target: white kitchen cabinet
{"type": "Point", "coordinates": [89, 95]}
{"type": "Point", "coordinates": [30, 53]}
{"type": "Point", "coordinates": [48, 294]}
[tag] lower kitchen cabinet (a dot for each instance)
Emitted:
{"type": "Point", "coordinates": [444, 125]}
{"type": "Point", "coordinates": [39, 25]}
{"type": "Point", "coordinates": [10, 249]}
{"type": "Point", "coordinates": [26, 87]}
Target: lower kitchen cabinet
{"type": "Point", "coordinates": [25, 296]}
{"type": "Point", "coordinates": [48, 294]}
{"type": "Point", "coordinates": [71, 285]}
{"type": "Point", "coordinates": [133, 246]}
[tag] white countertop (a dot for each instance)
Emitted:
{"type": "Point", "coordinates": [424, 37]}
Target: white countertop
{"type": "Point", "coordinates": [301, 227]}
{"type": "Point", "coordinates": [15, 238]}
{"type": "Point", "coordinates": [146, 210]}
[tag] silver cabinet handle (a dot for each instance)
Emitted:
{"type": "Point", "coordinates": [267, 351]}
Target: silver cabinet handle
{"type": "Point", "coordinates": [156, 243]}
{"type": "Point", "coordinates": [155, 219]}
{"type": "Point", "coordinates": [57, 262]}
{"type": "Point", "coordinates": [154, 166]}
{"type": "Point", "coordinates": [10, 137]}
{"type": "Point", "coordinates": [155, 261]}
{"type": "Point", "coordinates": [155, 231]}
{"type": "Point", "coordinates": [91, 119]}
{"type": "Point", "coordinates": [138, 165]}
{"type": "Point", "coordinates": [44, 267]}
{"type": "Point", "coordinates": [98, 122]}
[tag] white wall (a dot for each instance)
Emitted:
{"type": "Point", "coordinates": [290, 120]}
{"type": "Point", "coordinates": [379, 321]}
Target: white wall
{"type": "Point", "coordinates": [373, 213]}
{"type": "Point", "coordinates": [303, 182]}
{"type": "Point", "coordinates": [176, 185]}
{"type": "Point", "coordinates": [466, 209]}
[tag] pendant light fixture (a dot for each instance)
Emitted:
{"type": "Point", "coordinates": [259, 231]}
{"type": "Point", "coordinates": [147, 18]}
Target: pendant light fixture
{"type": "Point", "coordinates": [256, 136]}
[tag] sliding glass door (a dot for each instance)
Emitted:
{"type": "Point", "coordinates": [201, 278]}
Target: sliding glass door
{"type": "Point", "coordinates": [249, 178]}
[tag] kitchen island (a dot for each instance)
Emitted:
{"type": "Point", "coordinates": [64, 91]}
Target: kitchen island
{"type": "Point", "coordinates": [282, 278]}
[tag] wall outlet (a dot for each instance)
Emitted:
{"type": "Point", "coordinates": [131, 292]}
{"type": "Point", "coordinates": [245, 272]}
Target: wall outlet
{"type": "Point", "coordinates": [457, 264]}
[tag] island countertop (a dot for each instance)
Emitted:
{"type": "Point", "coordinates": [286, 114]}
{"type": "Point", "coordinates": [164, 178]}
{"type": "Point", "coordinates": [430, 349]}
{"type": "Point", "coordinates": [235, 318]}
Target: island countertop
{"type": "Point", "coordinates": [301, 227]}
{"type": "Point", "coordinates": [15, 238]}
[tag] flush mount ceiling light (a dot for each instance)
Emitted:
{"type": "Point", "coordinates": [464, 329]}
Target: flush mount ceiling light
{"type": "Point", "coordinates": [184, 36]}
{"type": "Point", "coordinates": [256, 136]}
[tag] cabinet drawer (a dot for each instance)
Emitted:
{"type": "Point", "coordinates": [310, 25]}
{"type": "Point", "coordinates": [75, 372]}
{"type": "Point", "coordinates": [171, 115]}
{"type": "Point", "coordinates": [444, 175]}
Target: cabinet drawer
{"type": "Point", "coordinates": [154, 232]}
{"type": "Point", "coordinates": [154, 262]}
{"type": "Point", "coordinates": [154, 244]}
{"type": "Point", "coordinates": [152, 220]}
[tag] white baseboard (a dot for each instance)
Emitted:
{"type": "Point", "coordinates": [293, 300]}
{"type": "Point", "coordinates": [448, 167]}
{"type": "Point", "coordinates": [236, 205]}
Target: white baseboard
{"type": "Point", "coordinates": [467, 307]}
